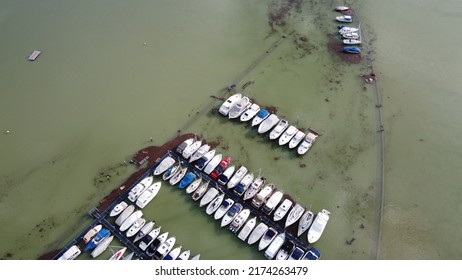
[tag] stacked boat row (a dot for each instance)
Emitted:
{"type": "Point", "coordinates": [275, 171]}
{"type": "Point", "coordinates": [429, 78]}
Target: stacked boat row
{"type": "Point", "coordinates": [351, 35]}
{"type": "Point", "coordinates": [233, 213]}
{"type": "Point", "coordinates": [240, 106]}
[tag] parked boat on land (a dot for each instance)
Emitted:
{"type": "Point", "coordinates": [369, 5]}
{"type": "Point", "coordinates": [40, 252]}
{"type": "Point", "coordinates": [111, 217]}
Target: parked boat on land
{"type": "Point", "coordinates": [118, 209]}
{"type": "Point", "coordinates": [231, 214]}
{"type": "Point", "coordinates": [213, 163]}
{"type": "Point", "coordinates": [91, 233]}
{"type": "Point", "coordinates": [275, 245]}
{"type": "Point", "coordinates": [262, 115]}
{"type": "Point", "coordinates": [239, 220]}
{"type": "Point", "coordinates": [71, 254]}
{"type": "Point", "coordinates": [156, 243]}
{"type": "Point", "coordinates": [146, 229]}
{"type": "Point", "coordinates": [102, 246]}
{"type": "Point", "coordinates": [286, 249]}
{"type": "Point", "coordinates": [208, 196]}
{"type": "Point", "coordinates": [165, 164]}
{"type": "Point", "coordinates": [247, 229]}
{"type": "Point", "coordinates": [149, 238]}
{"type": "Point", "coordinates": [178, 176]}
{"type": "Point", "coordinates": [173, 254]}
{"type": "Point", "coordinates": [257, 233]}
{"type": "Point", "coordinates": [125, 214]}
{"type": "Point", "coordinates": [239, 108]}
{"type": "Point", "coordinates": [294, 214]}
{"type": "Point", "coordinates": [272, 202]}
{"type": "Point", "coordinates": [184, 256]}
{"type": "Point", "coordinates": [254, 187]}
{"type": "Point", "coordinates": [214, 204]}
{"type": "Point", "coordinates": [136, 227]}
{"type": "Point", "coordinates": [200, 153]}
{"type": "Point", "coordinates": [118, 255]}
{"type": "Point", "coordinates": [344, 18]}
{"type": "Point", "coordinates": [282, 209]}
{"type": "Point", "coordinates": [200, 191]}
{"type": "Point", "coordinates": [170, 172]}
{"type": "Point", "coordinates": [353, 50]}
{"type": "Point", "coordinates": [139, 188]}
{"type": "Point", "coordinates": [318, 226]}
{"type": "Point", "coordinates": [250, 113]}
{"type": "Point", "coordinates": [187, 179]}
{"type": "Point", "coordinates": [184, 144]}
{"type": "Point", "coordinates": [307, 143]}
{"type": "Point", "coordinates": [224, 207]}
{"type": "Point", "coordinates": [220, 168]}
{"type": "Point", "coordinates": [287, 135]}
{"type": "Point", "coordinates": [312, 254]}
{"type": "Point", "coordinates": [194, 185]}
{"type": "Point", "coordinates": [226, 175]}
{"type": "Point", "coordinates": [278, 129]}
{"type": "Point", "coordinates": [164, 248]}
{"type": "Point", "coordinates": [268, 124]}
{"type": "Point", "coordinates": [237, 177]}
{"type": "Point", "coordinates": [204, 160]}
{"type": "Point", "coordinates": [267, 238]}
{"type": "Point", "coordinates": [229, 103]}
{"type": "Point", "coordinates": [305, 222]}
{"type": "Point", "coordinates": [148, 195]}
{"type": "Point", "coordinates": [262, 196]}
{"type": "Point", "coordinates": [131, 220]}
{"type": "Point", "coordinates": [191, 149]}
{"type": "Point", "coordinates": [244, 184]}
{"type": "Point", "coordinates": [297, 254]}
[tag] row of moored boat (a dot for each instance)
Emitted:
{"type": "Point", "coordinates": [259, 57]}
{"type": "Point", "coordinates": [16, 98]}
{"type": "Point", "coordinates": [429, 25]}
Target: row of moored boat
{"type": "Point", "coordinates": [351, 36]}
{"type": "Point", "coordinates": [240, 106]}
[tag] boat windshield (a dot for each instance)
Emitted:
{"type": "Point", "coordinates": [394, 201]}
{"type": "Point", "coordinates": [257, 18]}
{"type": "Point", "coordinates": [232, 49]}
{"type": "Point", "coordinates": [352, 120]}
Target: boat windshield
{"type": "Point", "coordinates": [262, 113]}
{"type": "Point", "coordinates": [270, 233]}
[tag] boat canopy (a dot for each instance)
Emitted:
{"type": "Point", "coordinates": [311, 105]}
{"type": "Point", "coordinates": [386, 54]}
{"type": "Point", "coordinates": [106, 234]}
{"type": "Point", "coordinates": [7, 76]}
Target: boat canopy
{"type": "Point", "coordinates": [262, 113]}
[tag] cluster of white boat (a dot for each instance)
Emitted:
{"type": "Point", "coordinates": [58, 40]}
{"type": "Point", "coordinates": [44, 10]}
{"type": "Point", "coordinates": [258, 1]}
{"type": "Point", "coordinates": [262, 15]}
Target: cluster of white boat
{"type": "Point", "coordinates": [240, 106]}
{"type": "Point", "coordinates": [233, 214]}
{"type": "Point", "coordinates": [351, 35]}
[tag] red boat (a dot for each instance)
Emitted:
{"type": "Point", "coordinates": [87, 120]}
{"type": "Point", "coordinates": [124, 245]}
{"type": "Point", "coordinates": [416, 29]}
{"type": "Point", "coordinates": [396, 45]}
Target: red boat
{"type": "Point", "coordinates": [220, 168]}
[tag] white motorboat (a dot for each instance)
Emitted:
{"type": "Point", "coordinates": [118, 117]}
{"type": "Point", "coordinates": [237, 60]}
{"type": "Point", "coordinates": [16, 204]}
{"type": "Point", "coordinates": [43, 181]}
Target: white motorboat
{"type": "Point", "coordinates": [244, 184]}
{"type": "Point", "coordinates": [229, 103]}
{"type": "Point", "coordinates": [294, 214]}
{"type": "Point", "coordinates": [239, 221]}
{"type": "Point", "coordinates": [274, 247]}
{"type": "Point", "coordinates": [268, 124]}
{"type": "Point", "coordinates": [125, 214]}
{"type": "Point", "coordinates": [226, 175]}
{"type": "Point", "coordinates": [247, 229]}
{"type": "Point", "coordinates": [307, 143]}
{"type": "Point", "coordinates": [200, 152]}
{"type": "Point", "coordinates": [254, 188]}
{"type": "Point", "coordinates": [348, 29]}
{"type": "Point", "coordinates": [351, 35]}
{"type": "Point", "coordinates": [318, 226]}
{"type": "Point", "coordinates": [239, 108]}
{"type": "Point", "coordinates": [214, 204]}
{"type": "Point", "coordinates": [287, 135]}
{"type": "Point", "coordinates": [352, 42]}
{"type": "Point", "coordinates": [149, 238]}
{"type": "Point", "coordinates": [184, 256]}
{"type": "Point", "coordinates": [268, 237]}
{"type": "Point", "coordinates": [196, 257]}
{"type": "Point", "coordinates": [164, 248]}
{"type": "Point", "coordinates": [250, 113]}
{"type": "Point", "coordinates": [173, 254]}
{"type": "Point", "coordinates": [299, 136]}
{"type": "Point", "coordinates": [170, 172]}
{"type": "Point", "coordinates": [257, 233]}
{"type": "Point", "coordinates": [71, 253]}
{"type": "Point", "coordinates": [118, 255]}
{"type": "Point", "coordinates": [237, 177]}
{"type": "Point", "coordinates": [200, 191]}
{"type": "Point", "coordinates": [118, 209]}
{"type": "Point", "coordinates": [204, 160]}
{"type": "Point", "coordinates": [102, 246]}
{"type": "Point", "coordinates": [151, 249]}
{"type": "Point", "coordinates": [91, 233]}
{"type": "Point", "coordinates": [224, 207]}
{"type": "Point", "coordinates": [146, 229]}
{"type": "Point", "coordinates": [285, 250]}
{"type": "Point", "coordinates": [213, 163]}
{"type": "Point", "coordinates": [165, 164]}
{"type": "Point", "coordinates": [191, 149]}
{"type": "Point", "coordinates": [131, 220]}
{"type": "Point", "coordinates": [178, 176]}
{"type": "Point", "coordinates": [194, 185]}
{"type": "Point", "coordinates": [262, 115]}
{"type": "Point", "coordinates": [279, 129]}
{"type": "Point", "coordinates": [305, 222]}
{"type": "Point", "coordinates": [139, 188]}
{"type": "Point", "coordinates": [136, 227]}
{"type": "Point", "coordinates": [208, 196]}
{"type": "Point", "coordinates": [272, 202]}
{"type": "Point", "coordinates": [261, 197]}
{"type": "Point", "coordinates": [184, 144]}
{"type": "Point", "coordinates": [282, 210]}
{"type": "Point", "coordinates": [344, 18]}
{"type": "Point", "coordinates": [148, 195]}
{"type": "Point", "coordinates": [231, 214]}
{"type": "Point", "coordinates": [342, 8]}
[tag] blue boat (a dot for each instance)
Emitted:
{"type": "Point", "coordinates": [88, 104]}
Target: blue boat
{"type": "Point", "coordinates": [312, 254]}
{"type": "Point", "coordinates": [103, 233]}
{"type": "Point", "coordinates": [352, 50]}
{"type": "Point", "coordinates": [187, 180]}
{"type": "Point", "coordinates": [262, 114]}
